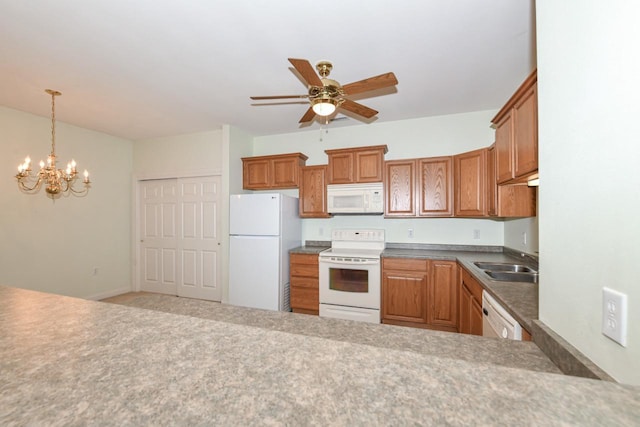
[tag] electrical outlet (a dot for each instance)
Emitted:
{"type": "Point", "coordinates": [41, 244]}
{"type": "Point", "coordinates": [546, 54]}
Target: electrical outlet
{"type": "Point", "coordinates": [614, 315]}
{"type": "Point", "coordinates": [476, 234]}
{"type": "Point", "coordinates": [410, 233]}
{"type": "Point", "coordinates": [524, 238]}
{"type": "Point", "coordinates": [321, 231]}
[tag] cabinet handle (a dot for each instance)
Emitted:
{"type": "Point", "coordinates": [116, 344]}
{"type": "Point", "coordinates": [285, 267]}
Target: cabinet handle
{"type": "Point", "coordinates": [484, 310]}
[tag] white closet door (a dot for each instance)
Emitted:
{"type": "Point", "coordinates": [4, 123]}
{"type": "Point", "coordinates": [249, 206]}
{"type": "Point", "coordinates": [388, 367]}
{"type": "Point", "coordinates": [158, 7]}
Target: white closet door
{"type": "Point", "coordinates": [199, 238]}
{"type": "Point", "coordinates": [180, 237]}
{"type": "Point", "coordinates": [158, 236]}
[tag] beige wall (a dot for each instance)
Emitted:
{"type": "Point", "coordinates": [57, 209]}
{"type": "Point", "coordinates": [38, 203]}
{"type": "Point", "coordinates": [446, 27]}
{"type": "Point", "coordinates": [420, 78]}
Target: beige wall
{"type": "Point", "coordinates": [70, 246]}
{"type": "Point", "coordinates": [588, 68]}
{"type": "Point", "coordinates": [178, 155]}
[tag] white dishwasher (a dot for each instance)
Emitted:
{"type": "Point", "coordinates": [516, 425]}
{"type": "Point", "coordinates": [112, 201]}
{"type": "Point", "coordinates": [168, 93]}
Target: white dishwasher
{"type": "Point", "coordinates": [496, 322]}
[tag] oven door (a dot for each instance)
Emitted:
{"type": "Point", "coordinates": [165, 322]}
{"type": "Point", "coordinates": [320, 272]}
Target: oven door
{"type": "Point", "coordinates": [350, 283]}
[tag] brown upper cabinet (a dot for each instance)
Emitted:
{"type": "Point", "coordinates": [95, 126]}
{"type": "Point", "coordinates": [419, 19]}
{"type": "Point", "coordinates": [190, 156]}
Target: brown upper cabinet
{"type": "Point", "coordinates": [313, 192]}
{"type": "Point", "coordinates": [269, 172]}
{"type": "Point", "coordinates": [435, 186]}
{"type": "Point", "coordinates": [517, 134]}
{"type": "Point", "coordinates": [355, 165]}
{"type": "Point", "coordinates": [470, 178]}
{"type": "Point", "coordinates": [419, 187]}
{"type": "Point", "coordinates": [507, 200]}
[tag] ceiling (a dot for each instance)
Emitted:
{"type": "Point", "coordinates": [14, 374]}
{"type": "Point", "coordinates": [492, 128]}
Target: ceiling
{"type": "Point", "coordinates": [146, 68]}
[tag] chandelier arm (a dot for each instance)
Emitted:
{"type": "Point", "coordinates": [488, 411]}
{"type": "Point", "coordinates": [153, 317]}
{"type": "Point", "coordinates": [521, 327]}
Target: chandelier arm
{"type": "Point", "coordinates": [84, 190]}
{"type": "Point", "coordinates": [25, 188]}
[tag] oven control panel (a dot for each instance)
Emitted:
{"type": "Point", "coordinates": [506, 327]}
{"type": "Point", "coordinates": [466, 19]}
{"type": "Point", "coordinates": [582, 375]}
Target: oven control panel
{"type": "Point", "coordinates": [357, 235]}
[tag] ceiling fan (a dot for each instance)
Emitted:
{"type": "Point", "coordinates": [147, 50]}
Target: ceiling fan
{"type": "Point", "coordinates": [327, 95]}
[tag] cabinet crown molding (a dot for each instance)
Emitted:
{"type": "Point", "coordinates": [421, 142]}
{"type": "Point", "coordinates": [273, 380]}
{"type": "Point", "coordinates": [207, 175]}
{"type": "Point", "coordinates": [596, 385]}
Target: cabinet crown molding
{"type": "Point", "coordinates": [530, 81]}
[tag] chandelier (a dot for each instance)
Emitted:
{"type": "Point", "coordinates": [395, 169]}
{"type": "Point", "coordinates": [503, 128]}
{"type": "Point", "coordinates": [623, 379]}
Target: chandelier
{"type": "Point", "coordinates": [57, 181]}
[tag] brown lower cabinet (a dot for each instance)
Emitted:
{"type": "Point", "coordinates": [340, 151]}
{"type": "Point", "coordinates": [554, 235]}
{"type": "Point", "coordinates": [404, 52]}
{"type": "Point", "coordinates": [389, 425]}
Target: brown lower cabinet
{"type": "Point", "coordinates": [304, 291]}
{"type": "Point", "coordinates": [420, 293]}
{"type": "Point", "coordinates": [470, 310]}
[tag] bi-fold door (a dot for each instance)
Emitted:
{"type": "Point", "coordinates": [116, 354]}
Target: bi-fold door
{"type": "Point", "coordinates": [179, 237]}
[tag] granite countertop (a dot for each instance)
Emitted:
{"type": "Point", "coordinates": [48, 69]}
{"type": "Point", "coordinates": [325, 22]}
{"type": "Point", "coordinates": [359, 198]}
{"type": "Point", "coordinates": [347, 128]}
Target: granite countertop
{"type": "Point", "coordinates": [66, 361]}
{"type": "Point", "coordinates": [310, 249]}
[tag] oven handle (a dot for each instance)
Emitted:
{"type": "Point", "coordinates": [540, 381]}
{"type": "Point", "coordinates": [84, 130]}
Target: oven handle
{"type": "Point", "coordinates": [368, 262]}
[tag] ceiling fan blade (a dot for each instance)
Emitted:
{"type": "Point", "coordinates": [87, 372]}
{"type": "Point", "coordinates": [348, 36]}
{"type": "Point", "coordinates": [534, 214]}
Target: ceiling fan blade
{"type": "Point", "coordinates": [306, 71]}
{"type": "Point", "coordinates": [308, 116]}
{"type": "Point", "coordinates": [258, 98]}
{"type": "Point", "coordinates": [358, 109]}
{"type": "Point", "coordinates": [372, 83]}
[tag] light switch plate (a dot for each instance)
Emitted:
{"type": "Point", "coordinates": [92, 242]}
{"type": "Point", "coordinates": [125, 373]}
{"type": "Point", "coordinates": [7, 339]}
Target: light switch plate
{"type": "Point", "coordinates": [614, 315]}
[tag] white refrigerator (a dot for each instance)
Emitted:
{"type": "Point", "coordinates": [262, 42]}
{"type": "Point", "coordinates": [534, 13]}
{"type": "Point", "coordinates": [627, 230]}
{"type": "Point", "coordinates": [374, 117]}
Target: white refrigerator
{"type": "Point", "coordinates": [263, 228]}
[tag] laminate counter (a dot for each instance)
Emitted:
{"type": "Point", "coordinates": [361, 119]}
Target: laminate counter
{"type": "Point", "coordinates": [67, 361]}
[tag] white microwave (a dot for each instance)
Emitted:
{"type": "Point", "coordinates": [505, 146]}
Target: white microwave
{"type": "Point", "coordinates": [355, 198]}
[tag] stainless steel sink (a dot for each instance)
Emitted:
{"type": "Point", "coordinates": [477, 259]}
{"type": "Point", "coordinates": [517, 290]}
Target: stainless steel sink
{"type": "Point", "coordinates": [511, 276]}
{"type": "Point", "coordinates": [508, 272]}
{"type": "Point", "coordinates": [504, 266]}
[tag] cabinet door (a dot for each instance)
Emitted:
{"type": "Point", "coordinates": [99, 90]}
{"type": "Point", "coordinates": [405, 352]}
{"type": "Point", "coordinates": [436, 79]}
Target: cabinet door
{"type": "Point", "coordinates": [313, 192]}
{"type": "Point", "coordinates": [464, 315]}
{"type": "Point", "coordinates": [255, 174]}
{"type": "Point", "coordinates": [476, 317]}
{"type": "Point", "coordinates": [286, 172]}
{"type": "Point", "coordinates": [504, 153]}
{"type": "Point", "coordinates": [492, 185]}
{"type": "Point", "coordinates": [369, 165]}
{"type": "Point", "coordinates": [404, 296]}
{"type": "Point", "coordinates": [400, 188]}
{"type": "Point", "coordinates": [470, 183]}
{"type": "Point", "coordinates": [341, 168]}
{"type": "Point", "coordinates": [435, 187]}
{"type": "Point", "coordinates": [443, 293]}
{"type": "Point", "coordinates": [525, 134]}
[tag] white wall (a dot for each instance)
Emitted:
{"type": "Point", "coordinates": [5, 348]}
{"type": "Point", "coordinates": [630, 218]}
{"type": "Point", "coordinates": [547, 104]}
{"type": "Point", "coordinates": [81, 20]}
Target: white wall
{"type": "Point", "coordinates": [56, 246]}
{"type": "Point", "coordinates": [181, 154]}
{"type": "Point", "coordinates": [424, 137]}
{"type": "Point", "coordinates": [588, 68]}
{"type": "Point", "coordinates": [514, 231]}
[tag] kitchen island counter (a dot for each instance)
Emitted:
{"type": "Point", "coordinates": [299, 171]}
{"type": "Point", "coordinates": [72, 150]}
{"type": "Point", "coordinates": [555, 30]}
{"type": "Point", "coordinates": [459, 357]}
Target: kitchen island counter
{"type": "Point", "coordinates": [66, 361]}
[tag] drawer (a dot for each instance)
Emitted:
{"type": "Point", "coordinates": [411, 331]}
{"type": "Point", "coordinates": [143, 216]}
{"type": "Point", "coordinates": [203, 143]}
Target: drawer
{"type": "Point", "coordinates": [304, 298]}
{"type": "Point", "coordinates": [303, 259]}
{"type": "Point", "coordinates": [304, 270]}
{"type": "Point", "coordinates": [304, 282]}
{"type": "Point", "coordinates": [409, 264]}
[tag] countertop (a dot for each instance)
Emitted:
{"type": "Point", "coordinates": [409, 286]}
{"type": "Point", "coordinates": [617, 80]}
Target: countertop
{"type": "Point", "coordinates": [66, 361]}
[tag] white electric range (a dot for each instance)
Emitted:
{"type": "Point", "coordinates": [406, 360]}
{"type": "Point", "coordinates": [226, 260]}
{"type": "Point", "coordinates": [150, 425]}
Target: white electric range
{"type": "Point", "coordinates": [350, 282]}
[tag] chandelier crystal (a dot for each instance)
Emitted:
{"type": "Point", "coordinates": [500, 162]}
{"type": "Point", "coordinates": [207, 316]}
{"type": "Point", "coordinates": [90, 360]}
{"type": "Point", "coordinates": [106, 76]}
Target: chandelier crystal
{"type": "Point", "coordinates": [56, 181]}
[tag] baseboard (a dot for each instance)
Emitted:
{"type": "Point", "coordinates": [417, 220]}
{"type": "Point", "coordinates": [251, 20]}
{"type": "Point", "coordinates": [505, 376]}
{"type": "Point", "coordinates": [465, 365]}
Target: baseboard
{"type": "Point", "coordinates": [108, 294]}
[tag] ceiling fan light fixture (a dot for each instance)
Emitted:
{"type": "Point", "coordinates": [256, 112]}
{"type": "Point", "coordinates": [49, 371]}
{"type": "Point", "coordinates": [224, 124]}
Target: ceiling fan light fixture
{"type": "Point", "coordinates": [324, 106]}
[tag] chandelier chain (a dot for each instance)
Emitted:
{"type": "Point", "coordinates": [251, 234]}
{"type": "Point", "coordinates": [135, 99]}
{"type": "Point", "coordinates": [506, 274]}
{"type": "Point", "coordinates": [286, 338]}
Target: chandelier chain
{"type": "Point", "coordinates": [53, 123]}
